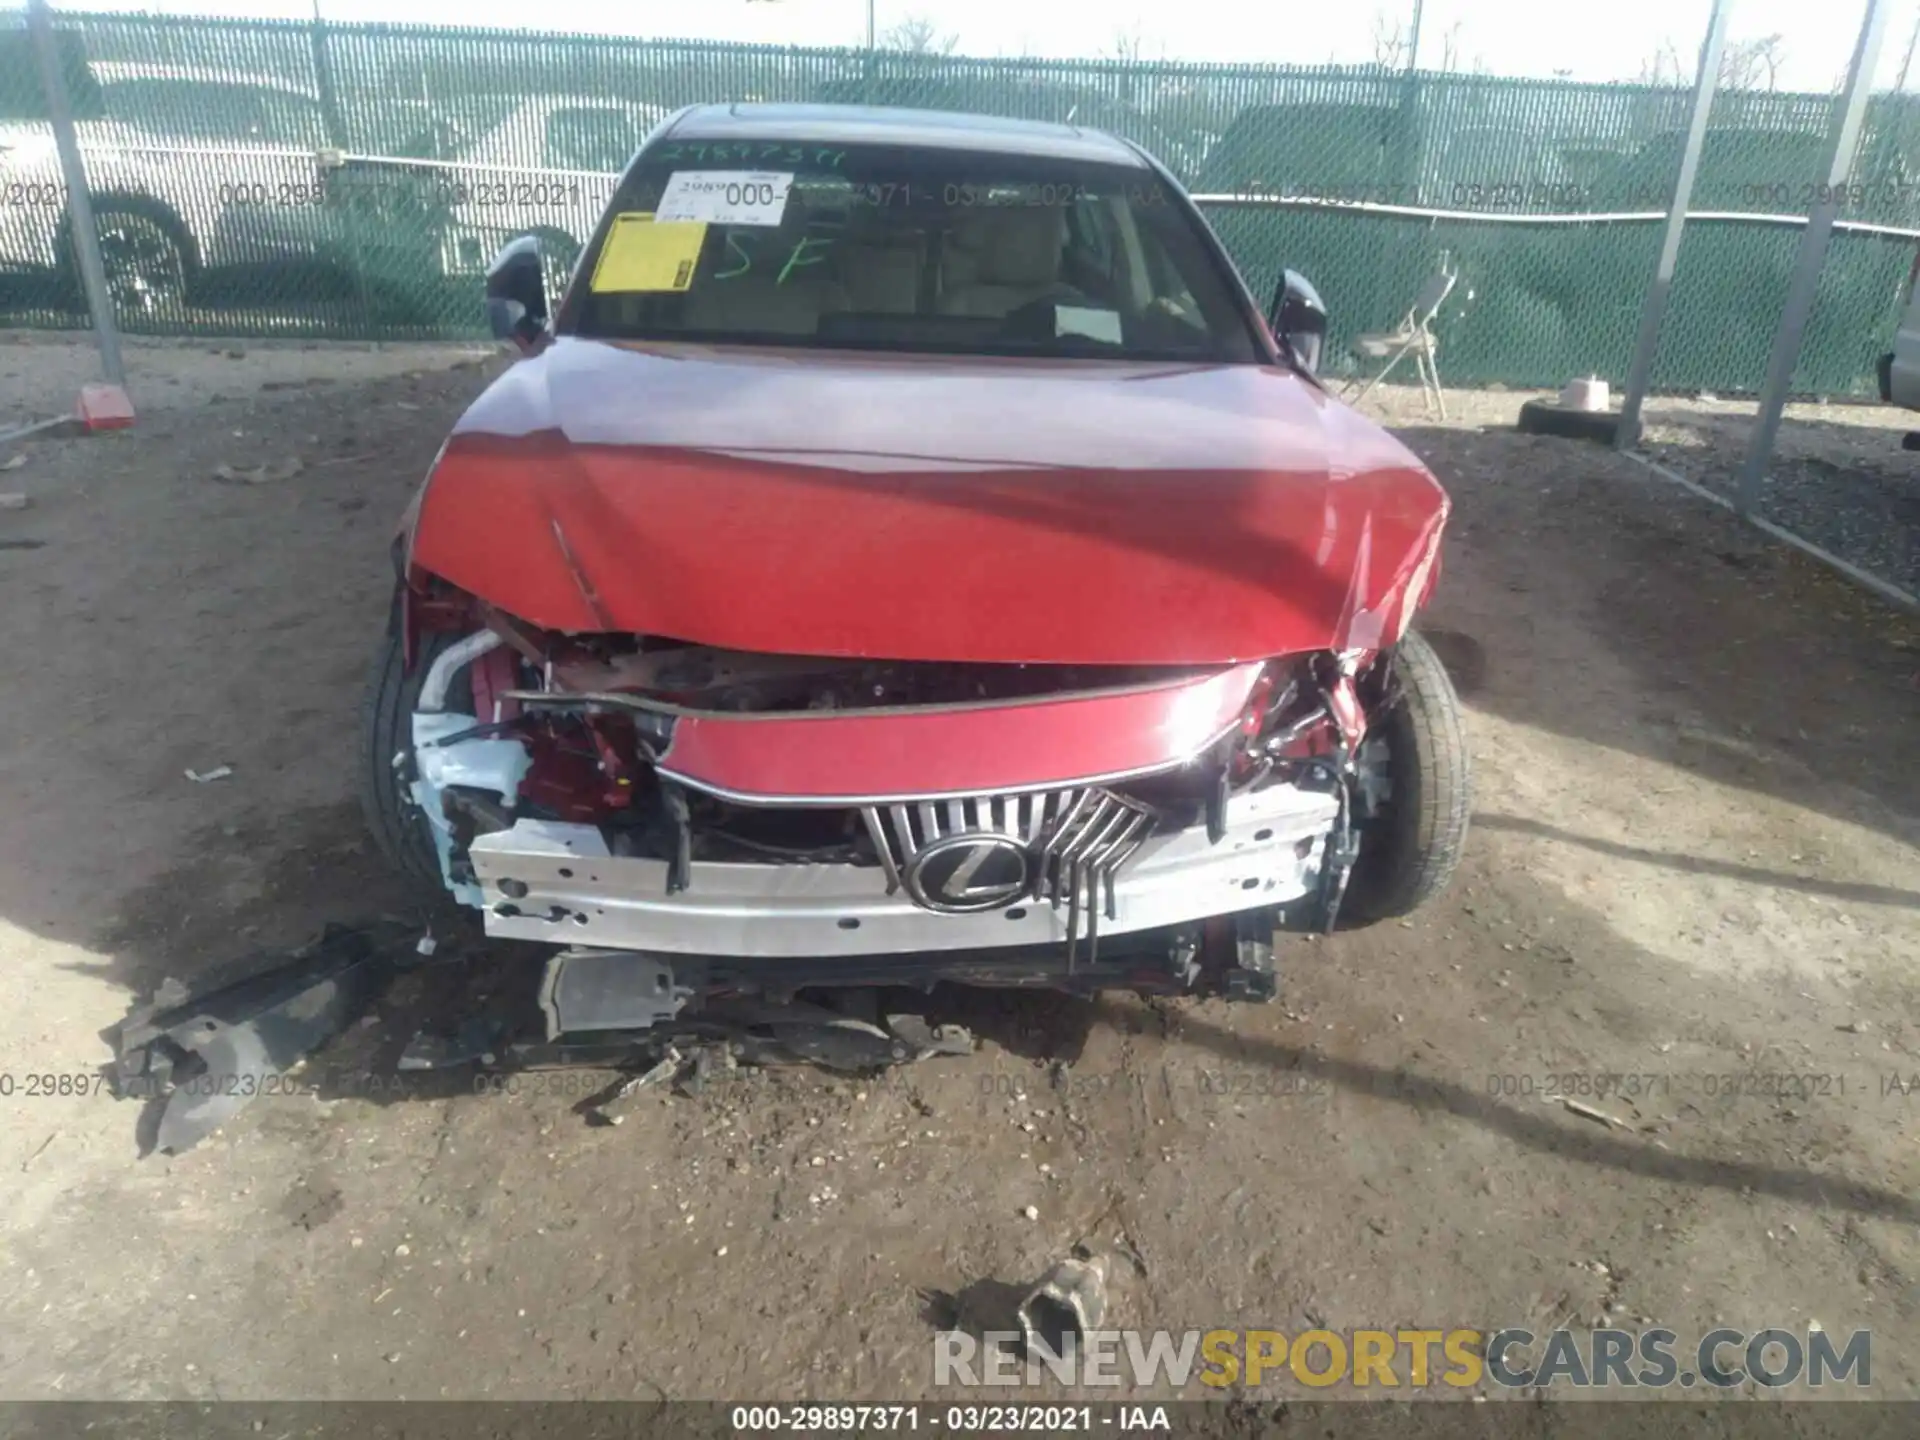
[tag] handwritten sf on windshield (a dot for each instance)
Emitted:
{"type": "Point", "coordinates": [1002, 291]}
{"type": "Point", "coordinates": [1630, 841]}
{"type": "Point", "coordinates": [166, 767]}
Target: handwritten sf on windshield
{"type": "Point", "coordinates": [740, 256]}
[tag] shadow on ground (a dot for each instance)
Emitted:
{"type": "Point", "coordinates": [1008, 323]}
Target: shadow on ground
{"type": "Point", "coordinates": [1761, 669]}
{"type": "Point", "coordinates": [1851, 489]}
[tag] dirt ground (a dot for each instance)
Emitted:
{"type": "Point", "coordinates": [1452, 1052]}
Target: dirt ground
{"type": "Point", "coordinates": [41, 372]}
{"type": "Point", "coordinates": [1694, 855]}
{"type": "Point", "coordinates": [1838, 478]}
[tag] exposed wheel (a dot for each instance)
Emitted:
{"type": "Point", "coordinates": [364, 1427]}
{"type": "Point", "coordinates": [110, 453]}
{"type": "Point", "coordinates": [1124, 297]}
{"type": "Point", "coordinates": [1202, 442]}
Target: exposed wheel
{"type": "Point", "coordinates": [1541, 417]}
{"type": "Point", "coordinates": [148, 259]}
{"type": "Point", "coordinates": [386, 762]}
{"type": "Point", "coordinates": [1411, 843]}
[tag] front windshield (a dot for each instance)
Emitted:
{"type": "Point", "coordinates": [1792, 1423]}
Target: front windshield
{"type": "Point", "coordinates": [884, 247]}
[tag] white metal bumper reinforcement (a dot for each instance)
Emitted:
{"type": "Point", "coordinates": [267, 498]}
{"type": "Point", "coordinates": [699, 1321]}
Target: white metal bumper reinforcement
{"type": "Point", "coordinates": [558, 883]}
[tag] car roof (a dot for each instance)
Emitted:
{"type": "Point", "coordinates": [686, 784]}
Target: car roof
{"type": "Point", "coordinates": [1347, 100]}
{"type": "Point", "coordinates": [1737, 135]}
{"type": "Point", "coordinates": [559, 101]}
{"type": "Point", "coordinates": [113, 71]}
{"type": "Point", "coordinates": [885, 125]}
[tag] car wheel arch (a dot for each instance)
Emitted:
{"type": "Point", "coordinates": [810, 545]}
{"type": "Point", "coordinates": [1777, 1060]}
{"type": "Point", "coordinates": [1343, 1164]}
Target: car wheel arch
{"type": "Point", "coordinates": [136, 202]}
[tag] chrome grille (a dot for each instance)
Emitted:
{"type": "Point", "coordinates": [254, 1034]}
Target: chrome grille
{"type": "Point", "coordinates": [1076, 841]}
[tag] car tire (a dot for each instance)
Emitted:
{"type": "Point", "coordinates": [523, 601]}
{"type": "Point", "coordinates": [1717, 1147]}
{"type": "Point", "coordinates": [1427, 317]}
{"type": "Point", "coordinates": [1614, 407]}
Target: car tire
{"type": "Point", "coordinates": [386, 762]}
{"type": "Point", "coordinates": [151, 262]}
{"type": "Point", "coordinates": [1409, 851]}
{"type": "Point", "coordinates": [1541, 417]}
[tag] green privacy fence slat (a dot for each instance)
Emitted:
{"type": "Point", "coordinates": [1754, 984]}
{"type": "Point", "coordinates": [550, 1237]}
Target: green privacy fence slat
{"type": "Point", "coordinates": [204, 132]}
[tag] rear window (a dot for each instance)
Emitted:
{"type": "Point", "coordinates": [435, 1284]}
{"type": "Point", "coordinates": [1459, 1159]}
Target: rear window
{"type": "Point", "coordinates": [886, 247]}
{"type": "Point", "coordinates": [187, 109]}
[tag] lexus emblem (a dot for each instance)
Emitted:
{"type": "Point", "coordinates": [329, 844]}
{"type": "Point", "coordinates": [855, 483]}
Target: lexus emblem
{"type": "Point", "coordinates": [978, 870]}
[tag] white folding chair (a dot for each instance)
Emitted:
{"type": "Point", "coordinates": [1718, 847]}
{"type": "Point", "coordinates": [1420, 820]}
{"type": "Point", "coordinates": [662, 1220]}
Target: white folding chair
{"type": "Point", "coordinates": [1413, 336]}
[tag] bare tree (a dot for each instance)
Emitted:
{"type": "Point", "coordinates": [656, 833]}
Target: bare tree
{"type": "Point", "coordinates": [917, 35]}
{"type": "Point", "coordinates": [1392, 43]}
{"type": "Point", "coordinates": [1663, 67]}
{"type": "Point", "coordinates": [1450, 49]}
{"type": "Point", "coordinates": [1128, 46]}
{"type": "Point", "coordinates": [1744, 65]}
{"type": "Point", "coordinates": [1753, 64]}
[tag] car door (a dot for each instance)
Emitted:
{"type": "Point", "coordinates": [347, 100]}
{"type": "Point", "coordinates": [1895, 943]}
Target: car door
{"type": "Point", "coordinates": [32, 195]}
{"type": "Point", "coordinates": [166, 140]}
{"type": "Point", "coordinates": [548, 169]}
{"type": "Point", "coordinates": [273, 195]}
{"type": "Point", "coordinates": [212, 155]}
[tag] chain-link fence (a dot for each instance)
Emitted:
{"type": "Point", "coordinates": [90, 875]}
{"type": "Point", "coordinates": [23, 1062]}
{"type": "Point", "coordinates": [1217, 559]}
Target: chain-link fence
{"type": "Point", "coordinates": [1832, 286]}
{"type": "Point", "coordinates": [255, 178]}
{"type": "Point", "coordinates": [259, 178]}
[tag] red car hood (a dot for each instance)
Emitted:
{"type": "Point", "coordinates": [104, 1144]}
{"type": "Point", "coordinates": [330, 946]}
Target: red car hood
{"type": "Point", "coordinates": [921, 508]}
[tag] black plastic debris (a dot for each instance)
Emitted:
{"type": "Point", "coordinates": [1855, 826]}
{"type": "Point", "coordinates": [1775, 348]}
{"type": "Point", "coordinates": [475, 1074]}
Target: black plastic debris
{"type": "Point", "coordinates": [207, 1056]}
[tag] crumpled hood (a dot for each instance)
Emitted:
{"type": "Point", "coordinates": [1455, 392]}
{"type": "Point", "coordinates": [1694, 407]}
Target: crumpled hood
{"type": "Point", "coordinates": [931, 508]}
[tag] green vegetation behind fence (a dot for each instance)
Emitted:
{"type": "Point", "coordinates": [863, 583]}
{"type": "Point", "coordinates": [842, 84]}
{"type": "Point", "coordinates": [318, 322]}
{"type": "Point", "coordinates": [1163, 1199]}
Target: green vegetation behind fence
{"type": "Point", "coordinates": [202, 140]}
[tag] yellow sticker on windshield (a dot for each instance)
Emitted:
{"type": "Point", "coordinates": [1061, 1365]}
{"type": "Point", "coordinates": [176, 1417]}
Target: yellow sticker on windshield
{"type": "Point", "coordinates": [642, 254]}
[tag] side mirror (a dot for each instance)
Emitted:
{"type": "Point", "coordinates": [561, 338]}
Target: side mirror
{"type": "Point", "coordinates": [517, 295]}
{"type": "Point", "coordinates": [1298, 319]}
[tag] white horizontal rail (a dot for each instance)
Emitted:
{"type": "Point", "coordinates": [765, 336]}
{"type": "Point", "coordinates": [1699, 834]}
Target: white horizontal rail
{"type": "Point", "coordinates": [336, 159]}
{"type": "Point", "coordinates": [403, 162]}
{"type": "Point", "coordinates": [223, 152]}
{"type": "Point", "coordinates": [1491, 217]}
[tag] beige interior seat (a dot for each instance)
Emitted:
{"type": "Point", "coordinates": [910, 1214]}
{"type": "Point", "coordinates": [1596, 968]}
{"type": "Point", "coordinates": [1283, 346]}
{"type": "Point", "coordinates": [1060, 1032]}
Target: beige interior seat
{"type": "Point", "coordinates": [881, 274]}
{"type": "Point", "coordinates": [997, 260]}
{"type": "Point", "coordinates": [757, 301]}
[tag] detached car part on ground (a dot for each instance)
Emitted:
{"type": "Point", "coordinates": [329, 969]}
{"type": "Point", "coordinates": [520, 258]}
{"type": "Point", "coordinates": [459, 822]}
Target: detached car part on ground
{"type": "Point", "coordinates": [939, 573]}
{"type": "Point", "coordinates": [906, 556]}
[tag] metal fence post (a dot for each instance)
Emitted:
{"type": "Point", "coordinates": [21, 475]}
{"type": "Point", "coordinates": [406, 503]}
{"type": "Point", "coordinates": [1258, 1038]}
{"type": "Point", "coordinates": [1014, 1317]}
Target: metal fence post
{"type": "Point", "coordinates": [1845, 139]}
{"type": "Point", "coordinates": [86, 240]}
{"type": "Point", "coordinates": [323, 83]}
{"type": "Point", "coordinates": [866, 76]}
{"type": "Point", "coordinates": [1654, 309]}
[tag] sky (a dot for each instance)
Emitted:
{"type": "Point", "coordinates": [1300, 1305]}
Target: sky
{"type": "Point", "coordinates": [1582, 39]}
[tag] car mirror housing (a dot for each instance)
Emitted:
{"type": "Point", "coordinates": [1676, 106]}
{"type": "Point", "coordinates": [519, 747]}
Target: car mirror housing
{"type": "Point", "coordinates": [1298, 319]}
{"type": "Point", "coordinates": [517, 295]}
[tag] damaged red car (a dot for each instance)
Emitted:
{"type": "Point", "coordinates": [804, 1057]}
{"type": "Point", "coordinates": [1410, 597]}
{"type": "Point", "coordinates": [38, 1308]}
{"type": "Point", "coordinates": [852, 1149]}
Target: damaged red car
{"type": "Point", "coordinates": [907, 553]}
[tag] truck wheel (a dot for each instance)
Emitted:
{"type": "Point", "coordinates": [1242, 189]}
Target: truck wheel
{"type": "Point", "coordinates": [148, 257]}
{"type": "Point", "coordinates": [1409, 849]}
{"type": "Point", "coordinates": [386, 763]}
